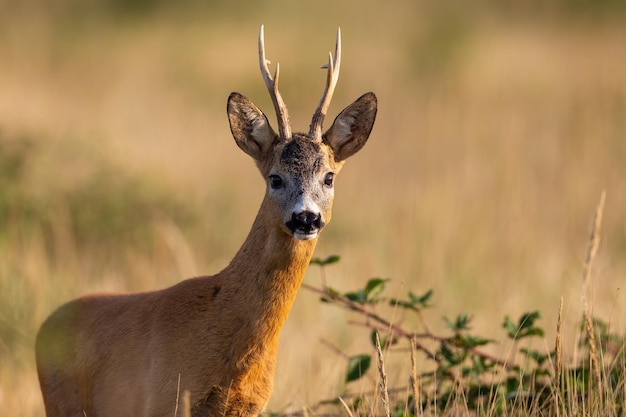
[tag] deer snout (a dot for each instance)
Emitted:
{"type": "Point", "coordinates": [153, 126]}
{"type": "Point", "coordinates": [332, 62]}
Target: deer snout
{"type": "Point", "coordinates": [305, 225]}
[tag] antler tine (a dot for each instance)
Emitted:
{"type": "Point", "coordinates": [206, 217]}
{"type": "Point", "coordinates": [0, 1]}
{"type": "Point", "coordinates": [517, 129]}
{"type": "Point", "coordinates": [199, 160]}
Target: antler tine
{"type": "Point", "coordinates": [284, 126]}
{"type": "Point", "coordinates": [331, 82]}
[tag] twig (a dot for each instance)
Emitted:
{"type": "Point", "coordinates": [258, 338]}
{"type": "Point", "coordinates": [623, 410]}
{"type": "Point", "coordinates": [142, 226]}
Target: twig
{"type": "Point", "coordinates": [341, 354]}
{"type": "Point", "coordinates": [422, 320]}
{"type": "Point", "coordinates": [391, 328]}
{"type": "Point", "coordinates": [352, 306]}
{"type": "Point", "coordinates": [334, 348]}
{"type": "Point", "coordinates": [398, 332]}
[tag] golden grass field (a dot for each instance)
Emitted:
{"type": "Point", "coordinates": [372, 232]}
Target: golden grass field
{"type": "Point", "coordinates": [498, 129]}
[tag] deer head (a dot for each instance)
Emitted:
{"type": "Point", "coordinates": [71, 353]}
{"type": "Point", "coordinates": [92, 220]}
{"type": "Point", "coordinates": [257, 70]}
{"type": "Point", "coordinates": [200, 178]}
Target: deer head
{"type": "Point", "coordinates": [300, 168]}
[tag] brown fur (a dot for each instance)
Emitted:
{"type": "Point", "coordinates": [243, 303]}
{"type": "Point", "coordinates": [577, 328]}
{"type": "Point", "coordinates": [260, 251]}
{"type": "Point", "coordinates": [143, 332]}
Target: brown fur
{"type": "Point", "coordinates": [214, 336]}
{"type": "Point", "coordinates": [106, 355]}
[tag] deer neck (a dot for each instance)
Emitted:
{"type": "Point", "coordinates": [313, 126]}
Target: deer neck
{"type": "Point", "coordinates": [267, 272]}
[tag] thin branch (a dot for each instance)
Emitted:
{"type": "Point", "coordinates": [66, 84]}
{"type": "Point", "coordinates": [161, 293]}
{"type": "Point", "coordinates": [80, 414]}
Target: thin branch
{"type": "Point", "coordinates": [334, 348]}
{"type": "Point", "coordinates": [387, 326]}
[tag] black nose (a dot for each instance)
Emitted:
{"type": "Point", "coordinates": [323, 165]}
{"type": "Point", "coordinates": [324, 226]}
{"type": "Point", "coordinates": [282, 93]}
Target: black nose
{"type": "Point", "coordinates": [305, 222]}
{"type": "Point", "coordinates": [306, 218]}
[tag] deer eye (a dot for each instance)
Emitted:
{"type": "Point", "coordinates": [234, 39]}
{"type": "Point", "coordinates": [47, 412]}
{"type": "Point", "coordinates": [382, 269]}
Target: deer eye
{"type": "Point", "coordinates": [328, 179]}
{"type": "Point", "coordinates": [275, 181]}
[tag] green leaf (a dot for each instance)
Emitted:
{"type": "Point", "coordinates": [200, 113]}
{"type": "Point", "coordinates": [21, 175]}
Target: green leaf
{"type": "Point", "coordinates": [537, 356]}
{"type": "Point", "coordinates": [510, 327]}
{"type": "Point", "coordinates": [357, 367]}
{"type": "Point", "coordinates": [480, 365]}
{"type": "Point", "coordinates": [333, 293]}
{"type": "Point", "coordinates": [357, 403]}
{"type": "Point", "coordinates": [384, 340]}
{"type": "Point", "coordinates": [368, 294]}
{"type": "Point", "coordinates": [453, 357]}
{"type": "Point", "coordinates": [401, 303]}
{"type": "Point", "coordinates": [470, 342]}
{"type": "Point", "coordinates": [323, 262]}
{"type": "Point", "coordinates": [374, 287]}
{"type": "Point", "coordinates": [421, 300]}
{"type": "Point", "coordinates": [525, 326]}
{"type": "Point", "coordinates": [535, 331]}
{"type": "Point", "coordinates": [357, 296]}
{"type": "Point", "coordinates": [513, 384]}
{"type": "Point", "coordinates": [461, 322]}
{"type": "Point", "coordinates": [527, 320]}
{"type": "Point", "coordinates": [400, 411]}
{"type": "Point", "coordinates": [415, 302]}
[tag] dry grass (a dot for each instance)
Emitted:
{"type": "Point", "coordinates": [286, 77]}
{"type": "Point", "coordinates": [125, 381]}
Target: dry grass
{"type": "Point", "coordinates": [383, 387]}
{"type": "Point", "coordinates": [592, 250]}
{"type": "Point", "coordinates": [495, 133]}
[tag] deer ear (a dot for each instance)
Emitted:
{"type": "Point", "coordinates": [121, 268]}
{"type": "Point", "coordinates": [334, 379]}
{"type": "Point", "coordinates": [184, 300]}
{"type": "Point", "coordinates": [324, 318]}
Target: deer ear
{"type": "Point", "coordinates": [352, 127]}
{"type": "Point", "coordinates": [249, 126]}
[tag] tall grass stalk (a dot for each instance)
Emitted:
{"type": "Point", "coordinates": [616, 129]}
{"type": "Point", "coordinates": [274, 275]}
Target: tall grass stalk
{"type": "Point", "coordinates": [592, 250]}
{"type": "Point", "coordinates": [382, 383]}
{"type": "Point", "coordinates": [414, 380]}
{"type": "Point", "coordinates": [558, 365]}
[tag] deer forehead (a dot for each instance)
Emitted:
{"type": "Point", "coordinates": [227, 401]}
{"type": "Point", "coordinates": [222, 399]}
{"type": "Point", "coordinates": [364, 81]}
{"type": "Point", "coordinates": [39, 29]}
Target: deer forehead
{"type": "Point", "coordinates": [303, 158]}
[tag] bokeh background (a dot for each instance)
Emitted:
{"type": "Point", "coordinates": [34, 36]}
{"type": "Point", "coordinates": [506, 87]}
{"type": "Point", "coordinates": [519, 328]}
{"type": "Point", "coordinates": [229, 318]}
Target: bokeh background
{"type": "Point", "coordinates": [500, 123]}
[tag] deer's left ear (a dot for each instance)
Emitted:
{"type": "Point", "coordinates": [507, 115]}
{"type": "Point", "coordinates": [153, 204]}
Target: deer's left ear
{"type": "Point", "coordinates": [352, 127]}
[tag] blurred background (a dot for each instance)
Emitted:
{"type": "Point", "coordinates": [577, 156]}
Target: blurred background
{"type": "Point", "coordinates": [500, 123]}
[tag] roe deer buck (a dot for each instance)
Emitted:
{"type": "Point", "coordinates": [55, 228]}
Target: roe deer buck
{"type": "Point", "coordinates": [214, 336]}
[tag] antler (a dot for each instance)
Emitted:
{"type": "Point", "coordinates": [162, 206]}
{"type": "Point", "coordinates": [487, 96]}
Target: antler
{"type": "Point", "coordinates": [284, 126]}
{"type": "Point", "coordinates": [333, 66]}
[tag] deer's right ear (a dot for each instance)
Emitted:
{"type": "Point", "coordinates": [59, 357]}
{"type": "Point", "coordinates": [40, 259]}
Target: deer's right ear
{"type": "Point", "coordinates": [249, 126]}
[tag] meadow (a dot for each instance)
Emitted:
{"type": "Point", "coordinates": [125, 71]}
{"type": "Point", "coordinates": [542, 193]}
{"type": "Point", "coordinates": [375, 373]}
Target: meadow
{"type": "Point", "coordinates": [500, 124]}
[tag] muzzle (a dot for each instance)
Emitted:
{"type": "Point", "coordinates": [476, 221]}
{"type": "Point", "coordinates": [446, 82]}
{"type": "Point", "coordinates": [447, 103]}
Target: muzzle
{"type": "Point", "coordinates": [305, 225]}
